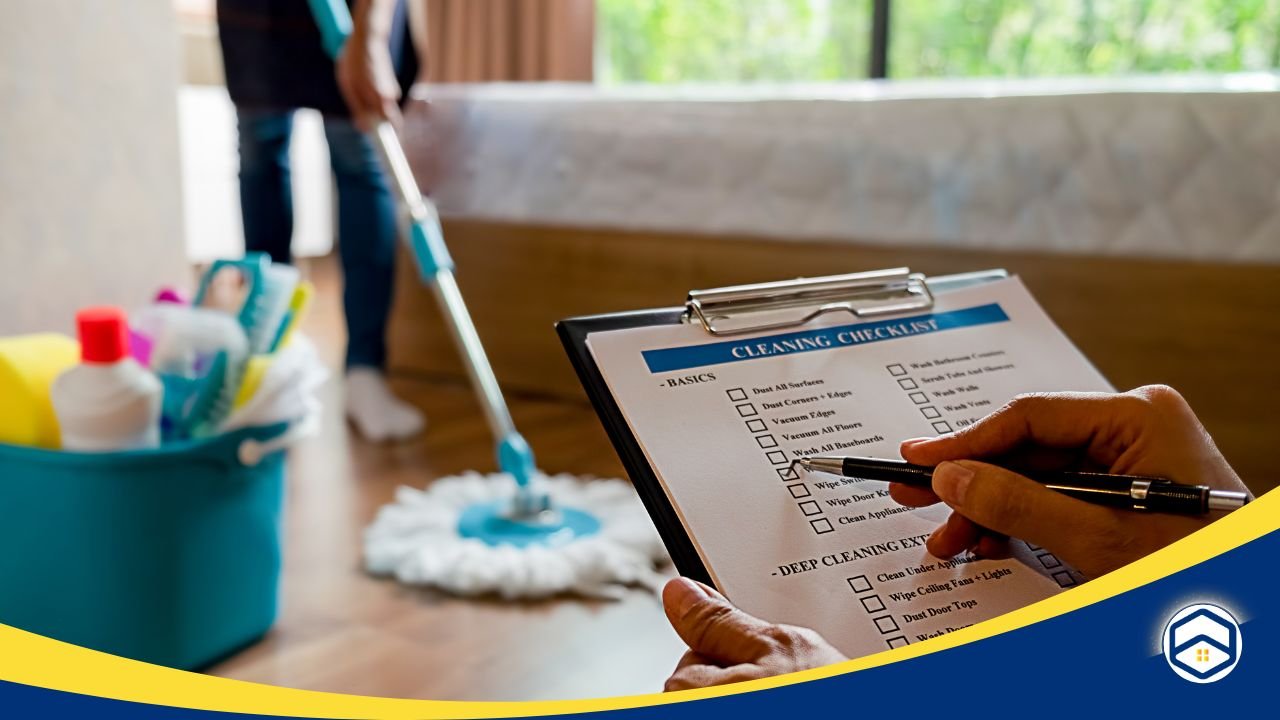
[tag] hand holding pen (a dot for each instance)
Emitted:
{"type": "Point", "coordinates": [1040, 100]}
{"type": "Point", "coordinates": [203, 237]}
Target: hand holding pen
{"type": "Point", "coordinates": [1149, 431]}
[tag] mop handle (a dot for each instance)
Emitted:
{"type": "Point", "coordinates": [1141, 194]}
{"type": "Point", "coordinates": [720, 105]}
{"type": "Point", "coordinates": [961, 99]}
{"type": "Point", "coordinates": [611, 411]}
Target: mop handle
{"type": "Point", "coordinates": [436, 269]}
{"type": "Point", "coordinates": [333, 17]}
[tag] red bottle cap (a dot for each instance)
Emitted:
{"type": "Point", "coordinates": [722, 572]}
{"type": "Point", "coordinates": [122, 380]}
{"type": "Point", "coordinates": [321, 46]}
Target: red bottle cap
{"type": "Point", "coordinates": [104, 334]}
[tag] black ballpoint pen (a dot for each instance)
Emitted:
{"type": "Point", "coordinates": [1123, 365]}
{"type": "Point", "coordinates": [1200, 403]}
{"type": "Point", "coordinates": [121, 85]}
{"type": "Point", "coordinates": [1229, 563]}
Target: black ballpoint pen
{"type": "Point", "coordinates": [1133, 492]}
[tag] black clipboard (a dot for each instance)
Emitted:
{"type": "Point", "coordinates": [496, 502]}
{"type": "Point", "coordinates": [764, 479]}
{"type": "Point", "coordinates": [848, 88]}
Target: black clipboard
{"type": "Point", "coordinates": [573, 334]}
{"type": "Point", "coordinates": [726, 312]}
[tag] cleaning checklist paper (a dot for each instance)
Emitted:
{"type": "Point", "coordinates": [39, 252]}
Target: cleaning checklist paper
{"type": "Point", "coordinates": [722, 420]}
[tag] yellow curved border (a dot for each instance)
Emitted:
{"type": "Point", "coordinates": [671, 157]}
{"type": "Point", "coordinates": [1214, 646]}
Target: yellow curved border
{"type": "Point", "coordinates": [35, 660]}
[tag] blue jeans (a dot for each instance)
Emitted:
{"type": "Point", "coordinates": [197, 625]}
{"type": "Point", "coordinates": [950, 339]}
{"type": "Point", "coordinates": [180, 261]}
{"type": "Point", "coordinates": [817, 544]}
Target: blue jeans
{"type": "Point", "coordinates": [366, 218]}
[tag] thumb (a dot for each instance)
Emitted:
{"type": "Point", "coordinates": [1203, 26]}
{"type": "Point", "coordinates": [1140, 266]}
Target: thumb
{"type": "Point", "coordinates": [1009, 503]}
{"type": "Point", "coordinates": [711, 626]}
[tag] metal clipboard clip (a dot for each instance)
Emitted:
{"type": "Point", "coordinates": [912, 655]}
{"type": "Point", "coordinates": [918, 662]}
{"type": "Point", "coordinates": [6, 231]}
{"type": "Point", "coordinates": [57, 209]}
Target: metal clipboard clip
{"type": "Point", "coordinates": [788, 303]}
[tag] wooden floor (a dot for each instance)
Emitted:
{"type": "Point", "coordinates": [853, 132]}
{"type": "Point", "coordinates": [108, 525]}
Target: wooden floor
{"type": "Point", "coordinates": [343, 631]}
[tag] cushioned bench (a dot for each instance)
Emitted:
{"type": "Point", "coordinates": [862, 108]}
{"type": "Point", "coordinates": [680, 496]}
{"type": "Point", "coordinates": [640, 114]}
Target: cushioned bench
{"type": "Point", "coordinates": [1145, 216]}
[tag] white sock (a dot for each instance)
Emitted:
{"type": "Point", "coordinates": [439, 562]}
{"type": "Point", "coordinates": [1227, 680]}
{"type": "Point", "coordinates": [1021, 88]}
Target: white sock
{"type": "Point", "coordinates": [375, 411]}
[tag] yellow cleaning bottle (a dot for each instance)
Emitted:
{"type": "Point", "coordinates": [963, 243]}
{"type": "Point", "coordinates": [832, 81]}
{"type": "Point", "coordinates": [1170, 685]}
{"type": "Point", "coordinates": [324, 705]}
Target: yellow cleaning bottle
{"type": "Point", "coordinates": [28, 366]}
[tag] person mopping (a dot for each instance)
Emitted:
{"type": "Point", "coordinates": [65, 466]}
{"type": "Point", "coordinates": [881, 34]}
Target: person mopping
{"type": "Point", "coordinates": [275, 63]}
{"type": "Point", "coordinates": [517, 533]}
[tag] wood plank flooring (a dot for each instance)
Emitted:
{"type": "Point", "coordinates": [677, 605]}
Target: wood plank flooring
{"type": "Point", "coordinates": [341, 630]}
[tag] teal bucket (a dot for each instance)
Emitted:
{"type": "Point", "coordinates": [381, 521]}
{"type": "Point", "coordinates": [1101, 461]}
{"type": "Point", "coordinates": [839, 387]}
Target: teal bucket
{"type": "Point", "coordinates": [170, 556]}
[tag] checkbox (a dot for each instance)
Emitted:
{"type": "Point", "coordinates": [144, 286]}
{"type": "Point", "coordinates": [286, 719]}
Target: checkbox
{"type": "Point", "coordinates": [859, 583]}
{"type": "Point", "coordinates": [746, 409]}
{"type": "Point", "coordinates": [799, 491]}
{"type": "Point", "coordinates": [907, 384]}
{"type": "Point", "coordinates": [809, 507]}
{"type": "Point", "coordinates": [1064, 579]}
{"type": "Point", "coordinates": [736, 394]}
{"type": "Point", "coordinates": [896, 369]}
{"type": "Point", "coordinates": [756, 425]}
{"type": "Point", "coordinates": [918, 398]}
{"type": "Point", "coordinates": [822, 526]}
{"type": "Point", "coordinates": [886, 624]}
{"type": "Point", "coordinates": [872, 603]}
{"type": "Point", "coordinates": [766, 441]}
{"type": "Point", "coordinates": [942, 428]}
{"type": "Point", "coordinates": [1049, 561]}
{"type": "Point", "coordinates": [1031, 547]}
{"type": "Point", "coordinates": [930, 412]}
{"type": "Point", "coordinates": [897, 642]}
{"type": "Point", "coordinates": [787, 473]}
{"type": "Point", "coordinates": [777, 457]}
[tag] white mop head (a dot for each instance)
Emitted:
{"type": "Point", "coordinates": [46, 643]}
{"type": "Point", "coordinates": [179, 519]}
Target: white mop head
{"type": "Point", "coordinates": [416, 539]}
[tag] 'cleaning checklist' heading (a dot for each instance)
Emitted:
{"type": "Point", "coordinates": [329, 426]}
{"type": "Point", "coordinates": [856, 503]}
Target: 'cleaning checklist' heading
{"type": "Point", "coordinates": [693, 356]}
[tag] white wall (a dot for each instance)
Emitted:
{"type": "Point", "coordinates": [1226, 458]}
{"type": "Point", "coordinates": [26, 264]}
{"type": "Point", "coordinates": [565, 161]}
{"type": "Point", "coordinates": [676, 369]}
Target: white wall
{"type": "Point", "coordinates": [211, 185]}
{"type": "Point", "coordinates": [210, 167]}
{"type": "Point", "coordinates": [90, 188]}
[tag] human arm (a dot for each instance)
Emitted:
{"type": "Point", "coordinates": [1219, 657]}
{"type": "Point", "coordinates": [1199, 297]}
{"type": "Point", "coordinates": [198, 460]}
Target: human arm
{"type": "Point", "coordinates": [365, 72]}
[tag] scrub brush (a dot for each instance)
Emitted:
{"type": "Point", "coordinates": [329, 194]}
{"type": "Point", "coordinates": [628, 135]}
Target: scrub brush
{"type": "Point", "coordinates": [268, 291]}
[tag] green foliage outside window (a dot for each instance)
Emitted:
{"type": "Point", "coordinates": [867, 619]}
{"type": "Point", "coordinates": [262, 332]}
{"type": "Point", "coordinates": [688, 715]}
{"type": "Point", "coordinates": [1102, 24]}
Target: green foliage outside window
{"type": "Point", "coordinates": [661, 41]}
{"type": "Point", "coordinates": [664, 41]}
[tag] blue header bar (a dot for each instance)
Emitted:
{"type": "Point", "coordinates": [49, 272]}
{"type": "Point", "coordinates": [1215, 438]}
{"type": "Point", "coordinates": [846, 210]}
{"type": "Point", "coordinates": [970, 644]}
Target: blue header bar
{"type": "Point", "coordinates": [693, 356]}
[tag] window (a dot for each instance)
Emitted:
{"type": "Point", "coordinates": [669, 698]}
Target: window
{"type": "Point", "coordinates": [831, 40]}
{"type": "Point", "coordinates": [662, 41]}
{"type": "Point", "coordinates": [950, 38]}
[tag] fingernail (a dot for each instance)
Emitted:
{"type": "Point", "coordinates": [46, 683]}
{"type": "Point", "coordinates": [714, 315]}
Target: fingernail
{"type": "Point", "coordinates": [951, 482]}
{"type": "Point", "coordinates": [937, 533]}
{"type": "Point", "coordinates": [930, 544]}
{"type": "Point", "coordinates": [682, 594]}
{"type": "Point", "coordinates": [914, 441]}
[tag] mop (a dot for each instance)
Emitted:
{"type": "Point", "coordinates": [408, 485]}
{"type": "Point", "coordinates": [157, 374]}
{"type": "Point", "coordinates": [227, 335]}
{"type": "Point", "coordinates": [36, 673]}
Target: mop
{"type": "Point", "coordinates": [516, 533]}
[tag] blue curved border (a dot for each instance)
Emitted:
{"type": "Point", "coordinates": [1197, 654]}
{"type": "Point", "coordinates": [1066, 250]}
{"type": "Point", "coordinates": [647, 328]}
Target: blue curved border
{"type": "Point", "coordinates": [1104, 658]}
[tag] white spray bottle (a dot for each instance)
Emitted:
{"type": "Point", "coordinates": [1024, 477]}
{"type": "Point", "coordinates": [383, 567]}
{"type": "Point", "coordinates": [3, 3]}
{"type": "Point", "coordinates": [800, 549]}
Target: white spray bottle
{"type": "Point", "coordinates": [107, 402]}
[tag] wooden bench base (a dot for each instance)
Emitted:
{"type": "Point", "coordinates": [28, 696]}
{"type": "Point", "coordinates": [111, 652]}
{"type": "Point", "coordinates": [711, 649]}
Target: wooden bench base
{"type": "Point", "coordinates": [1212, 330]}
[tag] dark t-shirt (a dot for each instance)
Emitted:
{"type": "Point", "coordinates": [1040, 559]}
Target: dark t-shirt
{"type": "Point", "coordinates": [274, 59]}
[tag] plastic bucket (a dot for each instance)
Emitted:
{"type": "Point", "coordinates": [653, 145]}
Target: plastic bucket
{"type": "Point", "coordinates": [170, 556]}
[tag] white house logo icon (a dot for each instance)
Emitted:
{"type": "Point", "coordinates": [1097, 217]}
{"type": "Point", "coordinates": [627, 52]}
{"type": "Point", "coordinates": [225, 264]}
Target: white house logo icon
{"type": "Point", "coordinates": [1202, 643]}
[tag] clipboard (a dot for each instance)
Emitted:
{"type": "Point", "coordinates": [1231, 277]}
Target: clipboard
{"type": "Point", "coordinates": [731, 311]}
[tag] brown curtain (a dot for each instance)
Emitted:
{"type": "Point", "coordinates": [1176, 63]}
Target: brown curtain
{"type": "Point", "coordinates": [509, 40]}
